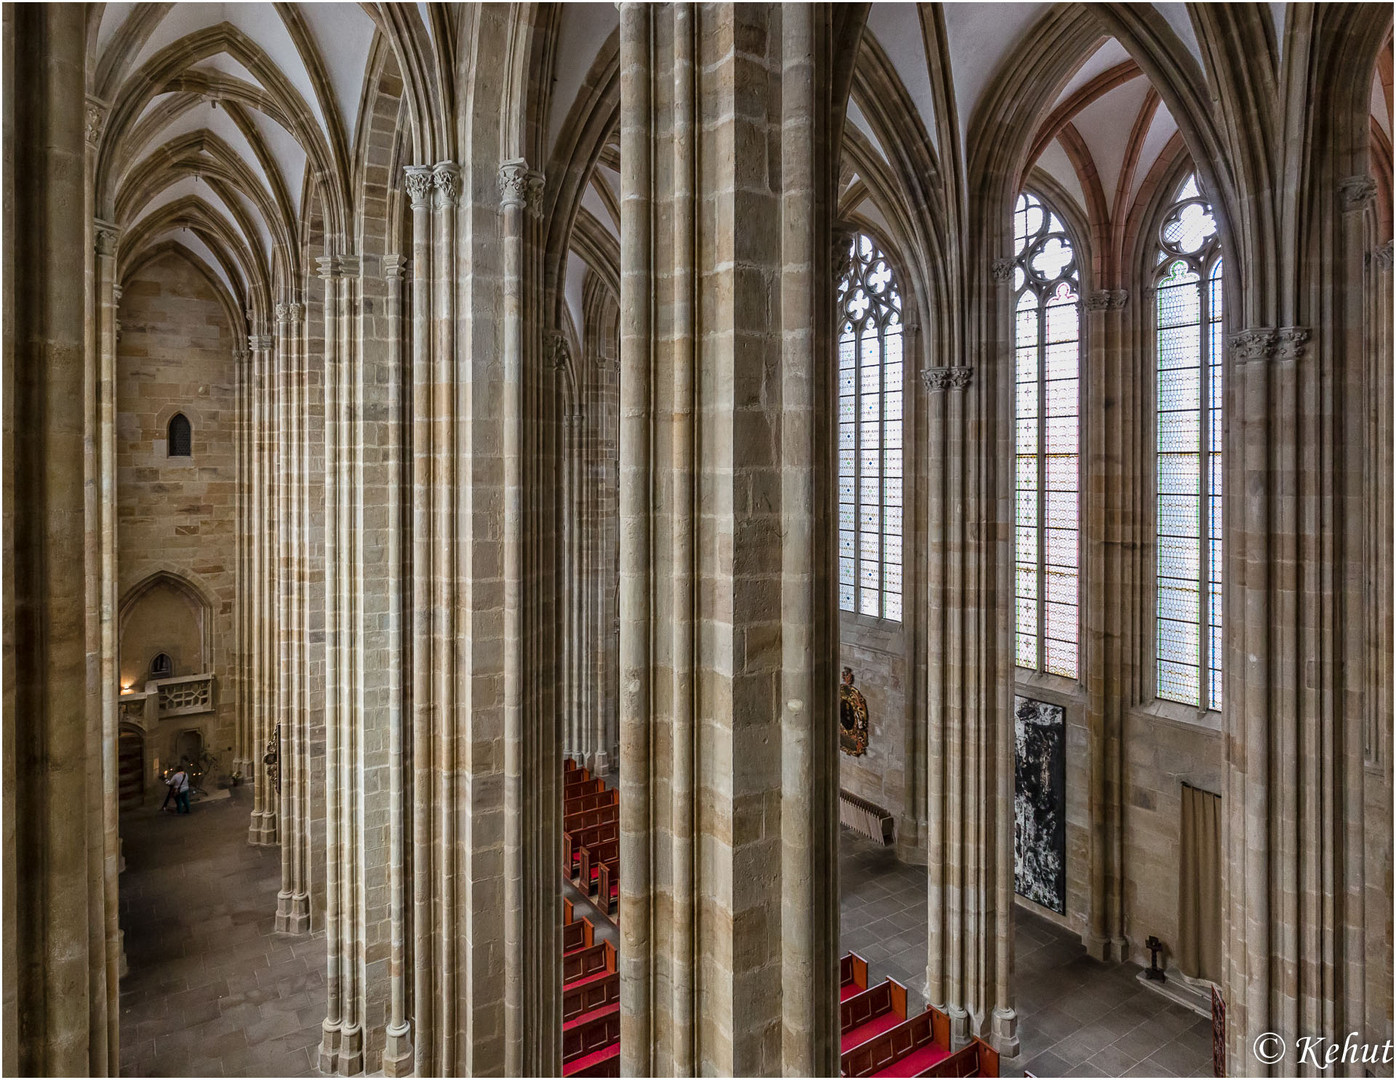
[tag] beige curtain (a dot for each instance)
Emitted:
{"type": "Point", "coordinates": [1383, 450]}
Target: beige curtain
{"type": "Point", "coordinates": [1199, 886]}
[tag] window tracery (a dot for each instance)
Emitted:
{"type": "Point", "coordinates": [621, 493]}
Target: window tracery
{"type": "Point", "coordinates": [870, 433]}
{"type": "Point", "coordinates": [1047, 285]}
{"type": "Point", "coordinates": [1188, 491]}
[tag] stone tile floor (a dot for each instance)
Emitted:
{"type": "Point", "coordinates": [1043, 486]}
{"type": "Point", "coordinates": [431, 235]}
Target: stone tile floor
{"type": "Point", "coordinates": [1076, 1016]}
{"type": "Point", "coordinates": [211, 990]}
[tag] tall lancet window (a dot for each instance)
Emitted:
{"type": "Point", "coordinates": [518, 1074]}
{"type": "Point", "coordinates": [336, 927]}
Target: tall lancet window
{"type": "Point", "coordinates": [1047, 417]}
{"type": "Point", "coordinates": [870, 434]}
{"type": "Point", "coordinates": [1189, 452]}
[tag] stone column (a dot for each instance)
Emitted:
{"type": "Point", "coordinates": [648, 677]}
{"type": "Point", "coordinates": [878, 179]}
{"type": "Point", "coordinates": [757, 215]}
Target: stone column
{"type": "Point", "coordinates": [293, 899]}
{"type": "Point", "coordinates": [636, 600]}
{"type": "Point", "coordinates": [262, 830]}
{"type": "Point", "coordinates": [397, 1053]}
{"type": "Point", "coordinates": [56, 969]}
{"type": "Point", "coordinates": [102, 517]}
{"type": "Point", "coordinates": [1111, 647]}
{"type": "Point", "coordinates": [513, 187]}
{"type": "Point", "coordinates": [727, 606]}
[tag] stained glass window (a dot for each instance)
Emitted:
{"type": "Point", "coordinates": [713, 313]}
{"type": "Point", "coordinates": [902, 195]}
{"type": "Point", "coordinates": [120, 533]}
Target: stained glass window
{"type": "Point", "coordinates": [1189, 448]}
{"type": "Point", "coordinates": [1046, 282]}
{"type": "Point", "coordinates": [870, 433]}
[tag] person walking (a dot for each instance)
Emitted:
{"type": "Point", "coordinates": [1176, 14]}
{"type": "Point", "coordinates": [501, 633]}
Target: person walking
{"type": "Point", "coordinates": [179, 784]}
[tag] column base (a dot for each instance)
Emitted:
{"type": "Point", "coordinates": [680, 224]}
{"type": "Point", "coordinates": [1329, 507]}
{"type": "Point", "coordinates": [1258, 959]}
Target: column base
{"type": "Point", "coordinates": [1005, 1032]}
{"type": "Point", "coordinates": [600, 763]}
{"type": "Point", "coordinates": [329, 1047]}
{"type": "Point", "coordinates": [959, 1026]}
{"type": "Point", "coordinates": [397, 1054]}
{"type": "Point", "coordinates": [292, 913]}
{"type": "Point", "coordinates": [351, 1052]}
{"type": "Point", "coordinates": [262, 830]}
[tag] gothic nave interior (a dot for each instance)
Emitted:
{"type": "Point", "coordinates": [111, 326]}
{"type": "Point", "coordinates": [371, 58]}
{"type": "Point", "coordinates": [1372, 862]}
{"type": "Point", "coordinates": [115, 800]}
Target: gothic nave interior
{"type": "Point", "coordinates": [614, 509]}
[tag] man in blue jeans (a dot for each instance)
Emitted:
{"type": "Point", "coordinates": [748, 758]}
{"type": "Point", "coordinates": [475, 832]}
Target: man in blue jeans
{"type": "Point", "coordinates": [179, 784]}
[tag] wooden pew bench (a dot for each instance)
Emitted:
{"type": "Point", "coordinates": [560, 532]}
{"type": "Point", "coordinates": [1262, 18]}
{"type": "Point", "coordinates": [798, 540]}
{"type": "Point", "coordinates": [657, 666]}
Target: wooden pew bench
{"type": "Point", "coordinates": [608, 886]}
{"type": "Point", "coordinates": [591, 1039]}
{"type": "Point", "coordinates": [608, 851]}
{"type": "Point", "coordinates": [578, 935]}
{"type": "Point", "coordinates": [853, 975]}
{"type": "Point", "coordinates": [867, 1015]}
{"type": "Point", "coordinates": [905, 1050]}
{"type": "Point", "coordinates": [587, 964]}
{"type": "Point", "coordinates": [573, 842]}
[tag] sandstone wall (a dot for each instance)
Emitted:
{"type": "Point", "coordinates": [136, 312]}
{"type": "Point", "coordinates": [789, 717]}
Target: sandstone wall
{"type": "Point", "coordinates": [178, 515]}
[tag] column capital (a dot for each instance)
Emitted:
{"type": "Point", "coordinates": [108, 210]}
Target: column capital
{"type": "Point", "coordinates": [419, 185]}
{"type": "Point", "coordinates": [241, 356]}
{"type": "Point", "coordinates": [337, 266]}
{"type": "Point", "coordinates": [445, 177]}
{"type": "Point", "coordinates": [513, 184]}
{"type": "Point", "coordinates": [841, 250]}
{"type": "Point", "coordinates": [1356, 191]}
{"type": "Point", "coordinates": [259, 342]}
{"type": "Point", "coordinates": [1266, 343]}
{"type": "Point", "coordinates": [1382, 257]}
{"type": "Point", "coordinates": [1001, 269]}
{"type": "Point", "coordinates": [937, 379]}
{"type": "Point", "coordinates": [116, 293]}
{"type": "Point", "coordinates": [283, 313]}
{"type": "Point", "coordinates": [1106, 300]}
{"type": "Point", "coordinates": [395, 266]}
{"type": "Point", "coordinates": [574, 419]}
{"type": "Point", "coordinates": [96, 120]}
{"type": "Point", "coordinates": [105, 237]}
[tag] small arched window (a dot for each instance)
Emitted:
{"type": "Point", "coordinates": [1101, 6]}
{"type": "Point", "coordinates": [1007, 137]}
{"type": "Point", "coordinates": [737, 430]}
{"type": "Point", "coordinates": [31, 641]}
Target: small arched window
{"type": "Point", "coordinates": [162, 667]}
{"type": "Point", "coordinates": [1188, 407]}
{"type": "Point", "coordinates": [179, 437]}
{"type": "Point", "coordinates": [1047, 441]}
{"type": "Point", "coordinates": [870, 433]}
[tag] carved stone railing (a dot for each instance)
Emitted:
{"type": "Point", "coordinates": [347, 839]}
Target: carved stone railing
{"type": "Point", "coordinates": [132, 708]}
{"type": "Point", "coordinates": [185, 695]}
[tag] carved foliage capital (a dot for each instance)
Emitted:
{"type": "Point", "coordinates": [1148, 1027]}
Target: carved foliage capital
{"type": "Point", "coordinates": [1357, 191]}
{"type": "Point", "coordinates": [513, 185]}
{"type": "Point", "coordinates": [1263, 343]}
{"type": "Point", "coordinates": [1382, 257]}
{"type": "Point", "coordinates": [1002, 269]}
{"type": "Point", "coordinates": [1106, 300]}
{"type": "Point", "coordinates": [937, 379]}
{"type": "Point", "coordinates": [105, 238]}
{"type": "Point", "coordinates": [419, 185]}
{"type": "Point", "coordinates": [445, 177]}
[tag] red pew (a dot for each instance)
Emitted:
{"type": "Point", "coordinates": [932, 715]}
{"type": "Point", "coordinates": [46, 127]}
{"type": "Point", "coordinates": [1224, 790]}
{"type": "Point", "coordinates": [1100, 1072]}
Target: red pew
{"type": "Point", "coordinates": [905, 1050]}
{"type": "Point", "coordinates": [853, 975]}
{"type": "Point", "coordinates": [589, 996]}
{"type": "Point", "coordinates": [573, 788]}
{"type": "Point", "coordinates": [573, 842]}
{"type": "Point", "coordinates": [591, 1040]}
{"type": "Point", "coordinates": [587, 964]}
{"type": "Point", "coordinates": [607, 886]}
{"type": "Point", "coordinates": [978, 1058]}
{"type": "Point", "coordinates": [869, 1014]}
{"type": "Point", "coordinates": [578, 935]}
{"type": "Point", "coordinates": [608, 851]}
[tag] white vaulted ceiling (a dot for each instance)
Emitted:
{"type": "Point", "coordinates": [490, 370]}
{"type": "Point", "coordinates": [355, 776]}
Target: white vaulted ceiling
{"type": "Point", "coordinates": [275, 88]}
